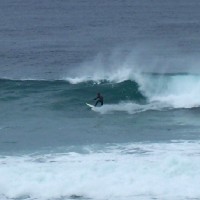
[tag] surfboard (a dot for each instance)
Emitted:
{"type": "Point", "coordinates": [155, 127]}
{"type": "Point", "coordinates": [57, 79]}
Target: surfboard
{"type": "Point", "coordinates": [90, 105]}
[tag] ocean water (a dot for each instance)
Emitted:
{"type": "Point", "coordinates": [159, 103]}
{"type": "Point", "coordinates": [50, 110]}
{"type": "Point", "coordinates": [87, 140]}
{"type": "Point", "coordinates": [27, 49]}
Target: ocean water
{"type": "Point", "coordinates": [142, 56]}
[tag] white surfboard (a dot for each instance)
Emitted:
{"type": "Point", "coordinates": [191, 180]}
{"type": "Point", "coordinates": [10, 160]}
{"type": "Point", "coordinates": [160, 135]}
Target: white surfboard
{"type": "Point", "coordinates": [90, 105]}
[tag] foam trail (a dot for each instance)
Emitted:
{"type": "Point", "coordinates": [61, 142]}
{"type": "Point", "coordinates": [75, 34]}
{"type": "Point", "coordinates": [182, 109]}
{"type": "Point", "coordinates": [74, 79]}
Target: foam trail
{"type": "Point", "coordinates": [130, 107]}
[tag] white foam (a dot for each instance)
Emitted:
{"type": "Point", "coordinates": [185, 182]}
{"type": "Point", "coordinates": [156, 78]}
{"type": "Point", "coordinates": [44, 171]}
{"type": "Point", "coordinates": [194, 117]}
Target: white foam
{"type": "Point", "coordinates": [134, 171]}
{"type": "Point", "coordinates": [130, 107]}
{"type": "Point", "coordinates": [179, 91]}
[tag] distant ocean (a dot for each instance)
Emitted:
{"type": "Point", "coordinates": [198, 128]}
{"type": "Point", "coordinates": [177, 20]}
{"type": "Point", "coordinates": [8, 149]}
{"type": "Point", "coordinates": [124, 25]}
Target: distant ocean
{"type": "Point", "coordinates": [143, 57]}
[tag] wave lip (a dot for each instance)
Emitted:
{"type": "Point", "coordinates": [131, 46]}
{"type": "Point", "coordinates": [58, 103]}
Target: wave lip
{"type": "Point", "coordinates": [115, 75]}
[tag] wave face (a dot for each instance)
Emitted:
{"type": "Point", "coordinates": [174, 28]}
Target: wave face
{"type": "Point", "coordinates": [138, 92]}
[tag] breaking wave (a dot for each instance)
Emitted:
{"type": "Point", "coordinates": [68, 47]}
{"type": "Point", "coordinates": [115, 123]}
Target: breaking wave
{"type": "Point", "coordinates": [136, 92]}
{"type": "Point", "coordinates": [160, 90]}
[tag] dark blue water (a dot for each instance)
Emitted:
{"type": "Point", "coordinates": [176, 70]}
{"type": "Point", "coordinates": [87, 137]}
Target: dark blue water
{"type": "Point", "coordinates": [143, 56]}
{"type": "Point", "coordinates": [46, 39]}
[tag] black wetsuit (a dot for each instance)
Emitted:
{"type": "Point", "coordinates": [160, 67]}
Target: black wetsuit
{"type": "Point", "coordinates": [99, 99]}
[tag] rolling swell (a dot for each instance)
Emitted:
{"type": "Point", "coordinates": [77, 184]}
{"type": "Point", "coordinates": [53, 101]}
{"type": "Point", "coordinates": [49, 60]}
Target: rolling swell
{"type": "Point", "coordinates": [59, 93]}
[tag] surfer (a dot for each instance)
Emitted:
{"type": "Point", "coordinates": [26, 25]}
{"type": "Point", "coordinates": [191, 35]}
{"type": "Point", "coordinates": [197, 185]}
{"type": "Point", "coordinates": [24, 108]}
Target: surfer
{"type": "Point", "coordinates": [99, 99]}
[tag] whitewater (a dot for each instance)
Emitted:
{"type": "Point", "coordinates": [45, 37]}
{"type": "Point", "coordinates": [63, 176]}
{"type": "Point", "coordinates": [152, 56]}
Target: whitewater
{"type": "Point", "coordinates": [136, 171]}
